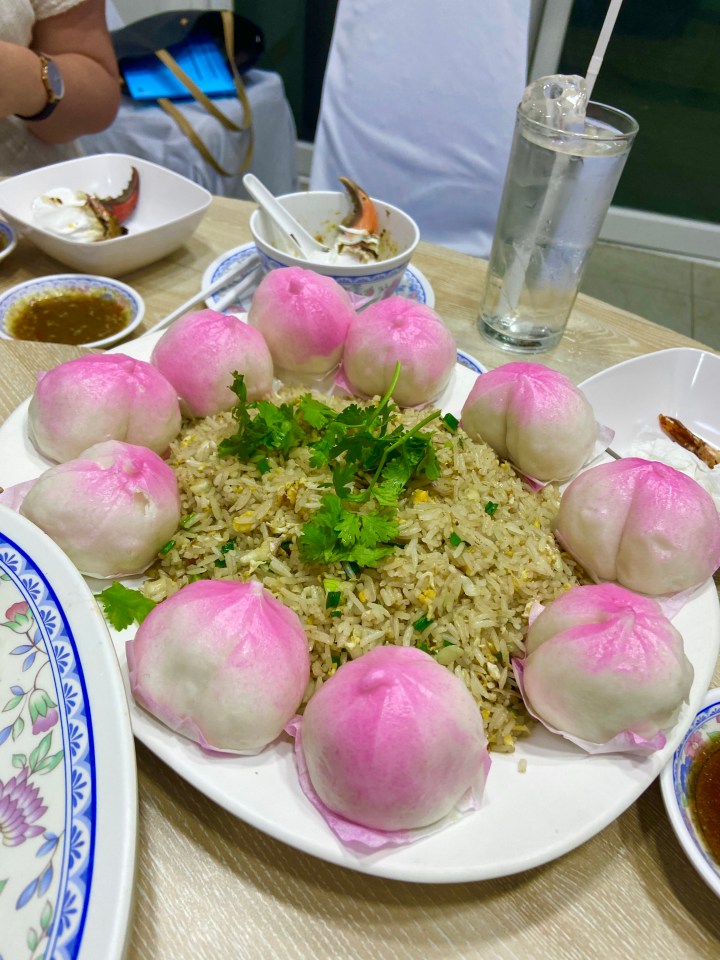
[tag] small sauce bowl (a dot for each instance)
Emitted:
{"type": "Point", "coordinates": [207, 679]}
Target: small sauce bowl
{"type": "Point", "coordinates": [87, 311]}
{"type": "Point", "coordinates": [8, 240]}
{"type": "Point", "coordinates": [684, 802]}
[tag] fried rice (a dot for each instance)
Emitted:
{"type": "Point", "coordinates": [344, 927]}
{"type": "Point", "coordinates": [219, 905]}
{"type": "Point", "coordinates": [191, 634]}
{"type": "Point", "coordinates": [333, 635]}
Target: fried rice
{"type": "Point", "coordinates": [476, 551]}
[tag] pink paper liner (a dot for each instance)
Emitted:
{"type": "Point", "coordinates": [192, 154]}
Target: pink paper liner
{"type": "Point", "coordinates": [368, 839]}
{"type": "Point", "coordinates": [625, 742]}
{"type": "Point", "coordinates": [12, 497]}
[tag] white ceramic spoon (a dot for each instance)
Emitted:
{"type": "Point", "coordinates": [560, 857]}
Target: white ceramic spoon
{"type": "Point", "coordinates": [289, 226]}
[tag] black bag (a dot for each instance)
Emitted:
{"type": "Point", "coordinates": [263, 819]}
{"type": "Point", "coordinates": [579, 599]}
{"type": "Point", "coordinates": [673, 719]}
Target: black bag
{"type": "Point", "coordinates": [241, 42]}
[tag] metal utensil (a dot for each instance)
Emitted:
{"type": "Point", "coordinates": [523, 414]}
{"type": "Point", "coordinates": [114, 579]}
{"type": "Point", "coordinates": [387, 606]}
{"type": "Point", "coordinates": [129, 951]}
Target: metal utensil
{"type": "Point", "coordinates": [304, 241]}
{"type": "Point", "coordinates": [245, 273]}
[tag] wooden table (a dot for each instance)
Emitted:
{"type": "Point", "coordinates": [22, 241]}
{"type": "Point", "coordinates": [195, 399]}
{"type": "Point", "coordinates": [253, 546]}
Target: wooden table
{"type": "Point", "coordinates": [208, 886]}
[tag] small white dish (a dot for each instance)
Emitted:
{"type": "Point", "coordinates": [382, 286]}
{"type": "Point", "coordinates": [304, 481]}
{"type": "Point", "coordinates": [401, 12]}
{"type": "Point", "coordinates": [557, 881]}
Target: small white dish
{"type": "Point", "coordinates": [413, 285]}
{"type": "Point", "coordinates": [68, 787]}
{"type": "Point", "coordinates": [681, 382]}
{"type": "Point", "coordinates": [169, 209]}
{"type": "Point", "coordinates": [676, 784]}
{"type": "Point", "coordinates": [8, 240]}
{"type": "Point", "coordinates": [129, 300]}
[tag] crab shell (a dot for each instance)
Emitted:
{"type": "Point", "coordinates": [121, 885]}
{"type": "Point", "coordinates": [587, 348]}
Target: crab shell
{"type": "Point", "coordinates": [112, 212]}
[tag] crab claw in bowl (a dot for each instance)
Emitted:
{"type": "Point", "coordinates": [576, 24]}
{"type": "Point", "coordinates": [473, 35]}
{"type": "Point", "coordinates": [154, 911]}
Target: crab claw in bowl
{"type": "Point", "coordinates": [363, 215]}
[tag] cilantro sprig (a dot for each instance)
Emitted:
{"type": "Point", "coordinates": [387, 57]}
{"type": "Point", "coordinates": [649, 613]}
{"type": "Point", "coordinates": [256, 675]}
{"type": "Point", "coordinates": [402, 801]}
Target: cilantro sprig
{"type": "Point", "coordinates": [123, 606]}
{"type": "Point", "coordinates": [371, 456]}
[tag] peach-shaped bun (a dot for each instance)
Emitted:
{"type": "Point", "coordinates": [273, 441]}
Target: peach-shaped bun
{"type": "Point", "coordinates": [102, 396]}
{"type": "Point", "coordinates": [111, 509]}
{"type": "Point", "coordinates": [304, 318]}
{"type": "Point", "coordinates": [533, 416]}
{"type": "Point", "coordinates": [602, 661]}
{"type": "Point", "coordinates": [199, 354]}
{"type": "Point", "coordinates": [393, 740]}
{"type": "Point", "coordinates": [397, 330]}
{"type": "Point", "coordinates": [222, 663]}
{"type": "Point", "coordinates": [642, 524]}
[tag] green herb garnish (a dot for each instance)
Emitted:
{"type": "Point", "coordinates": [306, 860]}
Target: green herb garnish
{"type": "Point", "coordinates": [422, 624]}
{"type": "Point", "coordinates": [371, 457]}
{"type": "Point", "coordinates": [123, 606]}
{"type": "Point", "coordinates": [163, 551]}
{"type": "Point", "coordinates": [490, 508]}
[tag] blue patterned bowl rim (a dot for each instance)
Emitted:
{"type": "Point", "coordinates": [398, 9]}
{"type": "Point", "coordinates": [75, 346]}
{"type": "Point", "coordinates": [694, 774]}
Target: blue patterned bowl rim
{"type": "Point", "coordinates": [674, 784]}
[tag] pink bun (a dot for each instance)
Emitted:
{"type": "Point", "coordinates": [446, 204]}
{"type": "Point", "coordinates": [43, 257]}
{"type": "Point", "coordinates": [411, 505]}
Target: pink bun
{"type": "Point", "coordinates": [102, 396]}
{"type": "Point", "coordinates": [199, 354]}
{"type": "Point", "coordinates": [397, 330]}
{"type": "Point", "coordinates": [304, 318]}
{"type": "Point", "coordinates": [111, 509]}
{"type": "Point", "coordinates": [642, 524]}
{"type": "Point", "coordinates": [221, 662]}
{"type": "Point", "coordinates": [393, 740]}
{"type": "Point", "coordinates": [533, 416]}
{"type": "Point", "coordinates": [602, 661]}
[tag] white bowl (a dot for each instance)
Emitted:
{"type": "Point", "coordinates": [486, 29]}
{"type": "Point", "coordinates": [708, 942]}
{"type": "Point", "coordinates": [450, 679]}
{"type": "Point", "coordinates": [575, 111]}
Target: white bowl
{"type": "Point", "coordinates": [317, 211]}
{"type": "Point", "coordinates": [68, 282]}
{"type": "Point", "coordinates": [676, 789]}
{"type": "Point", "coordinates": [8, 240]}
{"type": "Point", "coordinates": [169, 209]}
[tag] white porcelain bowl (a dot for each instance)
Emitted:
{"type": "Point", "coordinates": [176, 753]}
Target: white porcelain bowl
{"type": "Point", "coordinates": [63, 283]}
{"type": "Point", "coordinates": [169, 209]}
{"type": "Point", "coordinates": [8, 240]}
{"type": "Point", "coordinates": [676, 786]}
{"type": "Point", "coordinates": [317, 211]}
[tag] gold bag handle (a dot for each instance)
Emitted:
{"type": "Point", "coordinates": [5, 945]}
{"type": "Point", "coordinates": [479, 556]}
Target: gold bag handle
{"type": "Point", "coordinates": [184, 124]}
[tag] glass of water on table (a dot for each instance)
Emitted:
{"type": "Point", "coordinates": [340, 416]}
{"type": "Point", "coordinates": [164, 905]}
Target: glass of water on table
{"type": "Point", "coordinates": [565, 163]}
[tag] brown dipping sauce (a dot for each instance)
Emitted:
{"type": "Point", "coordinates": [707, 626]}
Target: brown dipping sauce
{"type": "Point", "coordinates": [4, 240]}
{"type": "Point", "coordinates": [705, 795]}
{"type": "Point", "coordinates": [68, 317]}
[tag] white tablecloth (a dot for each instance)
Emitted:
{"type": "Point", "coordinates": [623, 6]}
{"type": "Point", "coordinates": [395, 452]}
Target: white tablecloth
{"type": "Point", "coordinates": [145, 130]}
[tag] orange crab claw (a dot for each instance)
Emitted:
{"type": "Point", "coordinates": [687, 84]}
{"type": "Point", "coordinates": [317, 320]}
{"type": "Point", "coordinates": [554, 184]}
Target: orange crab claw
{"type": "Point", "coordinates": [122, 206]}
{"type": "Point", "coordinates": [363, 215]}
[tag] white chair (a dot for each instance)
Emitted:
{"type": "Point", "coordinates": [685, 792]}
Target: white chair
{"type": "Point", "coordinates": [418, 106]}
{"type": "Point", "coordinates": [146, 131]}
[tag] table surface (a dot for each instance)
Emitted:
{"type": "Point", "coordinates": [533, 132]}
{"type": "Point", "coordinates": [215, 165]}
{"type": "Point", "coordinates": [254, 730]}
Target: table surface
{"type": "Point", "coordinates": [209, 886]}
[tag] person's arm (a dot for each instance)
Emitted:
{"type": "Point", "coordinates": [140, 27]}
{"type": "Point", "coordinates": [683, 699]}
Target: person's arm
{"type": "Point", "coordinates": [79, 42]}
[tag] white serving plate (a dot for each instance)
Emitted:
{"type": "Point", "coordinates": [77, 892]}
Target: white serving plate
{"type": "Point", "coordinates": [564, 797]}
{"type": "Point", "coordinates": [67, 760]}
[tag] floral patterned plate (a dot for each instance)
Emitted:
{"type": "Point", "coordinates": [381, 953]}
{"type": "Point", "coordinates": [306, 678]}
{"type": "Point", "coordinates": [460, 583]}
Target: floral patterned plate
{"type": "Point", "coordinates": [68, 790]}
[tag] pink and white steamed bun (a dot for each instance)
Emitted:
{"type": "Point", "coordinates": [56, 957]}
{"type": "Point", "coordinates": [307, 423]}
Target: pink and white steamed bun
{"type": "Point", "coordinates": [304, 318]}
{"type": "Point", "coordinates": [111, 509]}
{"type": "Point", "coordinates": [602, 662]}
{"type": "Point", "coordinates": [640, 523]}
{"type": "Point", "coordinates": [100, 397]}
{"type": "Point", "coordinates": [200, 352]}
{"type": "Point", "coordinates": [221, 662]}
{"type": "Point", "coordinates": [533, 416]}
{"type": "Point", "coordinates": [393, 740]}
{"type": "Point", "coordinates": [397, 330]}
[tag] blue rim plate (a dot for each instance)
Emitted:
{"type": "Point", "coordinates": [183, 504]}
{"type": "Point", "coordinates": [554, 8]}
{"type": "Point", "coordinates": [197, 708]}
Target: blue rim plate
{"type": "Point", "coordinates": [414, 284]}
{"type": "Point", "coordinates": [68, 788]}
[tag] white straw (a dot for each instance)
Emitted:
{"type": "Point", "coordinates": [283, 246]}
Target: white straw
{"type": "Point", "coordinates": [601, 46]}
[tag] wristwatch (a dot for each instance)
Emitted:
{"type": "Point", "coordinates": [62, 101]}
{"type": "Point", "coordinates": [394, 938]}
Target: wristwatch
{"type": "Point", "coordinates": [54, 87]}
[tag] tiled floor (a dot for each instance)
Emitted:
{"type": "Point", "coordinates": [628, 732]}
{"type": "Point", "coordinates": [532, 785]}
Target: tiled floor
{"type": "Point", "coordinates": [681, 294]}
